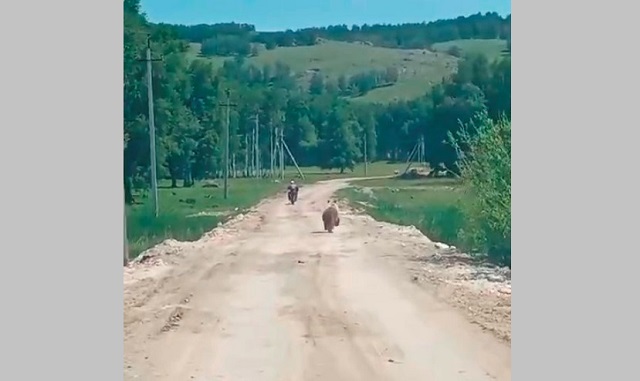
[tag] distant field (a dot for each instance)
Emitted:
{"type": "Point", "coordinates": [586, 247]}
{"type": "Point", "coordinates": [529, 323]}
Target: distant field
{"type": "Point", "coordinates": [492, 48]}
{"type": "Point", "coordinates": [419, 69]}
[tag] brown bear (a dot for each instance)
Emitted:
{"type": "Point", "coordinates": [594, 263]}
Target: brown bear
{"type": "Point", "coordinates": [331, 217]}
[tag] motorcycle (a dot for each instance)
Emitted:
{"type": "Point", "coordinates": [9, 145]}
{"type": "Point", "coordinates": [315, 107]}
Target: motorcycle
{"type": "Point", "coordinates": [292, 194]}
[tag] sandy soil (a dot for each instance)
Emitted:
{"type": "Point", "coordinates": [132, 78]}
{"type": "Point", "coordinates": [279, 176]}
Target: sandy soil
{"type": "Point", "coordinates": [269, 296]}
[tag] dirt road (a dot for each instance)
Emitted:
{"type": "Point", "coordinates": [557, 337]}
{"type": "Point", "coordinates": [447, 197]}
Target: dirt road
{"type": "Point", "coordinates": [272, 298]}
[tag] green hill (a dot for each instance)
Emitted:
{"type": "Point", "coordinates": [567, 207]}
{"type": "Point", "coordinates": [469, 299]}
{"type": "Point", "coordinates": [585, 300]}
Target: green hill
{"type": "Point", "coordinates": [418, 69]}
{"type": "Point", "coordinates": [492, 48]}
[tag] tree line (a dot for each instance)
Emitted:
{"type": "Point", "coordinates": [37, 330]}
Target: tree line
{"type": "Point", "coordinates": [354, 86]}
{"type": "Point", "coordinates": [228, 39]}
{"type": "Point", "coordinates": [319, 125]}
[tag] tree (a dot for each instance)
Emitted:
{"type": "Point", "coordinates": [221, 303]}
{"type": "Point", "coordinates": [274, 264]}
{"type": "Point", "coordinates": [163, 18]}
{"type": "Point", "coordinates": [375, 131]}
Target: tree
{"type": "Point", "coordinates": [368, 124]}
{"type": "Point", "coordinates": [455, 51]}
{"type": "Point", "coordinates": [404, 36]}
{"type": "Point", "coordinates": [340, 149]}
{"type": "Point", "coordinates": [343, 85]}
{"type": "Point", "coordinates": [461, 107]}
{"type": "Point", "coordinates": [486, 172]}
{"type": "Point", "coordinates": [391, 74]}
{"type": "Point", "coordinates": [316, 86]}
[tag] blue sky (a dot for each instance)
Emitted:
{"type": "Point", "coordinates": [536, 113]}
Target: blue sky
{"type": "Point", "coordinates": [269, 15]}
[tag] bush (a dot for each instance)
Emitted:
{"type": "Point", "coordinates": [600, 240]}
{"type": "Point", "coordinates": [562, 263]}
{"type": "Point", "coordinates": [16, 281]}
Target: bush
{"type": "Point", "coordinates": [455, 51]}
{"type": "Point", "coordinates": [484, 151]}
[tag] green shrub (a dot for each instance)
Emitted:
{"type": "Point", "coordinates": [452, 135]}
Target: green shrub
{"type": "Point", "coordinates": [485, 161]}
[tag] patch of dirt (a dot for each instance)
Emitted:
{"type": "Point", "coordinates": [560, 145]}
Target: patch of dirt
{"type": "Point", "coordinates": [481, 291]}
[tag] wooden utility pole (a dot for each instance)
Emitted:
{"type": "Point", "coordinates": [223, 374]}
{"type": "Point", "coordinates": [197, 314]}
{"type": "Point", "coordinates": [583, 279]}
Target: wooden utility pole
{"type": "Point", "coordinates": [274, 160]}
{"type": "Point", "coordinates": [423, 156]}
{"type": "Point", "coordinates": [247, 168]}
{"type": "Point", "coordinates": [365, 153]}
{"type": "Point", "coordinates": [227, 104]}
{"type": "Point", "coordinates": [257, 146]}
{"type": "Point", "coordinates": [410, 158]}
{"type": "Point", "coordinates": [126, 239]}
{"type": "Point", "coordinates": [293, 159]}
{"type": "Point", "coordinates": [281, 153]}
{"type": "Point", "coordinates": [152, 128]}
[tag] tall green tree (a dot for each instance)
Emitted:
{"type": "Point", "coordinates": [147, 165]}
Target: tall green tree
{"type": "Point", "coordinates": [340, 148]}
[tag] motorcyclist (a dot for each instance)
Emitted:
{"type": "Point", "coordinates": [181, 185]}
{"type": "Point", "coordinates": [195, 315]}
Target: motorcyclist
{"type": "Point", "coordinates": [292, 188]}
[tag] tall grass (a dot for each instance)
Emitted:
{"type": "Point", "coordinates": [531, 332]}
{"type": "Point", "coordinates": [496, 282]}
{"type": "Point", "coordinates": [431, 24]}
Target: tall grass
{"type": "Point", "coordinates": [187, 213]}
{"type": "Point", "coordinates": [144, 230]}
{"type": "Point", "coordinates": [438, 215]}
{"type": "Point", "coordinates": [485, 161]}
{"type": "Point", "coordinates": [432, 206]}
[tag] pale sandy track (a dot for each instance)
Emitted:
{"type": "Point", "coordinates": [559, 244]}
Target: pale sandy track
{"type": "Point", "coordinates": [277, 300]}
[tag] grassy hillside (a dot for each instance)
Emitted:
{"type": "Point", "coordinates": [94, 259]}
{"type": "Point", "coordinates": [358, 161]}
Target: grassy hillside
{"type": "Point", "coordinates": [492, 48]}
{"type": "Point", "coordinates": [419, 69]}
{"type": "Point", "coordinates": [195, 53]}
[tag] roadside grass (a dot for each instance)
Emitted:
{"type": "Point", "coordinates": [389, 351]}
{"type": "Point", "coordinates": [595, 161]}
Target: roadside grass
{"type": "Point", "coordinates": [187, 213]}
{"type": "Point", "coordinates": [434, 206]}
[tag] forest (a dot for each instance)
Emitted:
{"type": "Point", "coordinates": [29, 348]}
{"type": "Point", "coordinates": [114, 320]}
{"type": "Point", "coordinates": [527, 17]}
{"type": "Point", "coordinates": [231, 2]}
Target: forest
{"type": "Point", "coordinates": [232, 38]}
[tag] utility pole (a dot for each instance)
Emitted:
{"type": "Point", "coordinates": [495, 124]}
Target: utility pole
{"type": "Point", "coordinates": [281, 141]}
{"type": "Point", "coordinates": [227, 104]}
{"type": "Point", "coordinates": [226, 150]}
{"type": "Point", "coordinates": [273, 149]}
{"type": "Point", "coordinates": [281, 153]}
{"type": "Point", "coordinates": [126, 239]}
{"type": "Point", "coordinates": [410, 158]}
{"type": "Point", "coordinates": [247, 168]}
{"type": "Point", "coordinates": [423, 155]}
{"type": "Point", "coordinates": [257, 145]}
{"type": "Point", "coordinates": [293, 159]}
{"type": "Point", "coordinates": [365, 154]}
{"type": "Point", "coordinates": [152, 128]}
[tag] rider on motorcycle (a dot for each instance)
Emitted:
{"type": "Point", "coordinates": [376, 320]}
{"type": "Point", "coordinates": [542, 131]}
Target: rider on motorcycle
{"type": "Point", "coordinates": [292, 189]}
{"type": "Point", "coordinates": [292, 186]}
